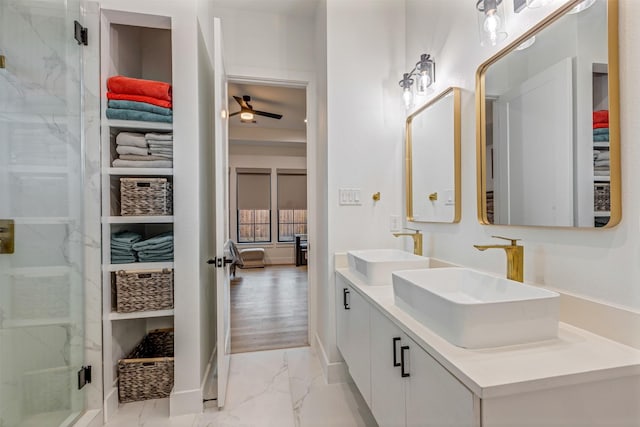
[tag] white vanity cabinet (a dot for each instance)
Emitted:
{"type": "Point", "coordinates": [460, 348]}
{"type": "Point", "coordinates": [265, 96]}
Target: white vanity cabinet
{"type": "Point", "coordinates": [409, 388]}
{"type": "Point", "coordinates": [578, 379]}
{"type": "Point", "coordinates": [353, 335]}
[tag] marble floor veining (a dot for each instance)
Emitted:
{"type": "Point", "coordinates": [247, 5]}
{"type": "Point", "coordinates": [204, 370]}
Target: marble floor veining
{"type": "Point", "coordinates": [276, 388]}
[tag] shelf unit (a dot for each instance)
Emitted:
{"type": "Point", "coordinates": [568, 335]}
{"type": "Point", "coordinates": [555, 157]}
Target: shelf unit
{"type": "Point", "coordinates": [123, 36]}
{"type": "Point", "coordinates": [600, 86]}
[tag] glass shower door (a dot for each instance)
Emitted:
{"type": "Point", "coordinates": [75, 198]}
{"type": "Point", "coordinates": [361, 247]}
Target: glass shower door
{"type": "Point", "coordinates": [41, 282]}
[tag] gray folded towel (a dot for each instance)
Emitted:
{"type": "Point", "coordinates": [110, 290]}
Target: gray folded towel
{"type": "Point", "coordinates": [164, 156]}
{"type": "Point", "coordinates": [159, 136]}
{"type": "Point", "coordinates": [147, 158]}
{"type": "Point", "coordinates": [161, 150]}
{"type": "Point", "coordinates": [128, 149]}
{"type": "Point", "coordinates": [120, 163]}
{"type": "Point", "coordinates": [131, 138]}
{"type": "Point", "coordinates": [153, 143]}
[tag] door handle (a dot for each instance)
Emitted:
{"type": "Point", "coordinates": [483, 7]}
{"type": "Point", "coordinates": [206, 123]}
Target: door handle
{"type": "Point", "coordinates": [211, 261]}
{"type": "Point", "coordinates": [226, 261]}
{"type": "Point", "coordinates": [403, 374]}
{"type": "Point", "coordinates": [395, 353]}
{"type": "Point", "coordinates": [7, 236]}
{"type": "Point", "coordinates": [345, 293]}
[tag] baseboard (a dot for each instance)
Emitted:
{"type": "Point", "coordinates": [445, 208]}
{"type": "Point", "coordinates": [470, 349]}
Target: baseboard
{"type": "Point", "coordinates": [334, 372]}
{"type": "Point", "coordinates": [185, 402]}
{"type": "Point", "coordinates": [91, 418]}
{"type": "Point", "coordinates": [207, 386]}
{"type": "Point", "coordinates": [110, 404]}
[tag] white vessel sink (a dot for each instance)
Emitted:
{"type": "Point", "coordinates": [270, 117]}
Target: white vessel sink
{"type": "Point", "coordinates": [374, 266]}
{"type": "Point", "coordinates": [476, 310]}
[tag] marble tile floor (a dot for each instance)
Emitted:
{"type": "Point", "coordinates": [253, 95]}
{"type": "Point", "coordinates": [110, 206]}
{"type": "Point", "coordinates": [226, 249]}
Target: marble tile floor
{"type": "Point", "coordinates": [276, 388]}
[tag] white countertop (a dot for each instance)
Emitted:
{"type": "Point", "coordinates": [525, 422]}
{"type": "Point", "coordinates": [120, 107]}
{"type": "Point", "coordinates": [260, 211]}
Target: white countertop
{"type": "Point", "coordinates": [576, 356]}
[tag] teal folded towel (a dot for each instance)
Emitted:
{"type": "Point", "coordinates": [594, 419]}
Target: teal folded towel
{"type": "Point", "coordinates": [600, 138]}
{"type": "Point", "coordinates": [139, 106]}
{"type": "Point", "coordinates": [143, 116]}
{"type": "Point", "coordinates": [126, 237]}
{"type": "Point", "coordinates": [160, 247]}
{"type": "Point", "coordinates": [154, 241]}
{"type": "Point", "coordinates": [601, 131]}
{"type": "Point", "coordinates": [146, 257]}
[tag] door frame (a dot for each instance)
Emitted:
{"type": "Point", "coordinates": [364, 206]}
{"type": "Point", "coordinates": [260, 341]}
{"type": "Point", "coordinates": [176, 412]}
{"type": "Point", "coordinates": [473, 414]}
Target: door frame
{"type": "Point", "coordinates": [304, 81]}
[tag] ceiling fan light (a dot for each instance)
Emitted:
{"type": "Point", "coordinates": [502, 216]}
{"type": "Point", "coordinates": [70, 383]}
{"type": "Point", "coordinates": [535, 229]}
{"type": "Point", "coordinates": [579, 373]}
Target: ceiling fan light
{"type": "Point", "coordinates": [245, 115]}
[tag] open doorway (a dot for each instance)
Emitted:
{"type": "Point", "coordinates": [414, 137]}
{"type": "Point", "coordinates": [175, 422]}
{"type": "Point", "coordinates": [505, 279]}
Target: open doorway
{"type": "Point", "coordinates": [268, 216]}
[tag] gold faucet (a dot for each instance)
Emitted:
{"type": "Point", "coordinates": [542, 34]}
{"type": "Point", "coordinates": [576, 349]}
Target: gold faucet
{"type": "Point", "coordinates": [417, 240]}
{"type": "Point", "coordinates": [515, 257]}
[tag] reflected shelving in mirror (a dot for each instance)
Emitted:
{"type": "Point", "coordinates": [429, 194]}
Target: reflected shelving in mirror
{"type": "Point", "coordinates": [548, 124]}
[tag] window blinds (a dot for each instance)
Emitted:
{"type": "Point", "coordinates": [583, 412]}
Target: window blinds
{"type": "Point", "coordinates": [292, 189]}
{"type": "Point", "coordinates": [254, 188]}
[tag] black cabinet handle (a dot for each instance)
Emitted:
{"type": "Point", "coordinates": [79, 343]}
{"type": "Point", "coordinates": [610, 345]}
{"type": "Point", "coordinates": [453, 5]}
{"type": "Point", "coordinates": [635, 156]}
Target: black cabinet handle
{"type": "Point", "coordinates": [402, 372]}
{"type": "Point", "coordinates": [395, 354]}
{"type": "Point", "coordinates": [345, 293]}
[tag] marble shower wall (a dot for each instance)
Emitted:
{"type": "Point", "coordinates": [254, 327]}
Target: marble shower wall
{"type": "Point", "coordinates": [48, 176]}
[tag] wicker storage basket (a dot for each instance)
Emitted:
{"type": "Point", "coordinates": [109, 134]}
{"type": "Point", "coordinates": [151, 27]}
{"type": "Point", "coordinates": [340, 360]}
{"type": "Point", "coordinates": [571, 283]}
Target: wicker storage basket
{"type": "Point", "coordinates": [145, 196]}
{"type": "Point", "coordinates": [144, 290]}
{"type": "Point", "coordinates": [601, 197]}
{"type": "Point", "coordinates": [147, 372]}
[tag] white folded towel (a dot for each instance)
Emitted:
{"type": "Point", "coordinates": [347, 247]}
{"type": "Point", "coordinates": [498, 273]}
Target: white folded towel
{"type": "Point", "coordinates": [131, 138]}
{"type": "Point", "coordinates": [128, 149]}
{"type": "Point", "coordinates": [159, 136]}
{"type": "Point", "coordinates": [119, 163]}
{"type": "Point", "coordinates": [146, 158]}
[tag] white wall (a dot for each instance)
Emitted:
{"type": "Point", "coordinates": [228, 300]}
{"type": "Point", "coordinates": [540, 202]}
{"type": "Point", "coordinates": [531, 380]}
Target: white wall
{"type": "Point", "coordinates": [600, 264]}
{"type": "Point", "coordinates": [270, 158]}
{"type": "Point", "coordinates": [263, 44]}
{"type": "Point", "coordinates": [206, 92]}
{"type": "Point", "coordinates": [365, 119]}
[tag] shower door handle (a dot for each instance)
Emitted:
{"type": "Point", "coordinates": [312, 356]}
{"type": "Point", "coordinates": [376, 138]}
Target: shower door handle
{"type": "Point", "coordinates": [7, 236]}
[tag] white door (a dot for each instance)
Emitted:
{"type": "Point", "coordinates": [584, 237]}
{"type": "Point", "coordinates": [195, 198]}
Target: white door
{"type": "Point", "coordinates": [534, 150]}
{"type": "Point", "coordinates": [223, 321]}
{"type": "Point", "coordinates": [353, 335]}
{"type": "Point", "coordinates": [434, 396]}
{"type": "Point", "coordinates": [387, 383]}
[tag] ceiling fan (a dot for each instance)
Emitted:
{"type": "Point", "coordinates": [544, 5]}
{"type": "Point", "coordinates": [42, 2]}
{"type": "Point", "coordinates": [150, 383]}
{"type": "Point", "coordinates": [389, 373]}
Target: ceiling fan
{"type": "Point", "coordinates": [247, 112]}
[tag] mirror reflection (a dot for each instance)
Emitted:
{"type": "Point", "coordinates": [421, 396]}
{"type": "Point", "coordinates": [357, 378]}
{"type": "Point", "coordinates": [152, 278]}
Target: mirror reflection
{"type": "Point", "coordinates": [433, 160]}
{"type": "Point", "coordinates": [550, 143]}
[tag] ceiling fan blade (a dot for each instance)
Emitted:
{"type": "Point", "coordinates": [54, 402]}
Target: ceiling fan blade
{"type": "Point", "coordinates": [241, 101]}
{"type": "Point", "coordinates": [265, 114]}
{"type": "Point", "coordinates": [235, 114]}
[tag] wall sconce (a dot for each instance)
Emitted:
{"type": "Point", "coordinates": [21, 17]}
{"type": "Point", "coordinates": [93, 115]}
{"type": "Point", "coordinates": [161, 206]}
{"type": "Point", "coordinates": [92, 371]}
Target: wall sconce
{"type": "Point", "coordinates": [491, 22]}
{"type": "Point", "coordinates": [425, 74]}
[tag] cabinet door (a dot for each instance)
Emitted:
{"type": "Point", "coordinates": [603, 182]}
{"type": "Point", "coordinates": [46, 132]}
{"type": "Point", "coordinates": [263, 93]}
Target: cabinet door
{"type": "Point", "coordinates": [434, 397]}
{"type": "Point", "coordinates": [387, 385]}
{"type": "Point", "coordinates": [353, 335]}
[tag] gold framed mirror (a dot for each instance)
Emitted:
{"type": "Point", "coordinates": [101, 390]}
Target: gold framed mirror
{"type": "Point", "coordinates": [548, 123]}
{"type": "Point", "coordinates": [432, 156]}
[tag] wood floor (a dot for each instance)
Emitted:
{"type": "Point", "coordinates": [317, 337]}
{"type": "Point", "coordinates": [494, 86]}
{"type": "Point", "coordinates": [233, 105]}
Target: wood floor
{"type": "Point", "coordinates": [269, 308]}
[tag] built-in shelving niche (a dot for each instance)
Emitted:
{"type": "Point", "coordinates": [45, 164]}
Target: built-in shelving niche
{"type": "Point", "coordinates": [138, 46]}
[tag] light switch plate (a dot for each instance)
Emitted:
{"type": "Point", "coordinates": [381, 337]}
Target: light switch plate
{"type": "Point", "coordinates": [395, 223]}
{"type": "Point", "coordinates": [349, 197]}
